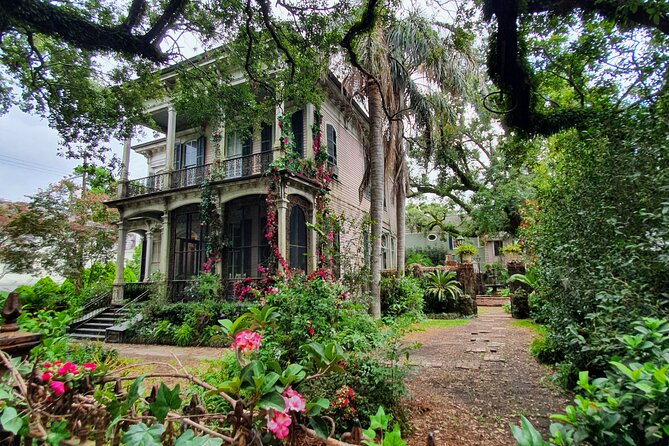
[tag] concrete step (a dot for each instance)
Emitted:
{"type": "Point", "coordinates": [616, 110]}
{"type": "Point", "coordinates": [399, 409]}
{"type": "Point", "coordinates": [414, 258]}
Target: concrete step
{"type": "Point", "coordinates": [93, 337]}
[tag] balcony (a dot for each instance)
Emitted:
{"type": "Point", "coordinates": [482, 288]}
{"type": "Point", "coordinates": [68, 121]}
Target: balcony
{"type": "Point", "coordinates": [230, 169]}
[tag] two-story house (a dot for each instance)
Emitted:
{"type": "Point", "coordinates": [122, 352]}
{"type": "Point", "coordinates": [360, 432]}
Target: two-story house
{"type": "Point", "coordinates": [163, 206]}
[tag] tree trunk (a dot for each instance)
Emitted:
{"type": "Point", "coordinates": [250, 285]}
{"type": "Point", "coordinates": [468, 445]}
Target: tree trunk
{"type": "Point", "coordinates": [400, 208]}
{"type": "Point", "coordinates": [377, 186]}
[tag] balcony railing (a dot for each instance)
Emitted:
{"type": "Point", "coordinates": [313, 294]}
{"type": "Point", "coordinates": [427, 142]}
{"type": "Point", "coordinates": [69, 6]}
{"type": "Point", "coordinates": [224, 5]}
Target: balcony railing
{"type": "Point", "coordinates": [239, 167]}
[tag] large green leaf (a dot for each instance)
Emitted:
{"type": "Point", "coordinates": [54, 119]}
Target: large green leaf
{"type": "Point", "coordinates": [143, 435]}
{"type": "Point", "coordinates": [321, 426]}
{"type": "Point", "coordinates": [166, 399]}
{"type": "Point", "coordinates": [394, 438]}
{"type": "Point", "coordinates": [272, 400]}
{"type": "Point", "coordinates": [10, 420]}
{"type": "Point", "coordinates": [58, 433]}
{"type": "Point", "coordinates": [189, 438]}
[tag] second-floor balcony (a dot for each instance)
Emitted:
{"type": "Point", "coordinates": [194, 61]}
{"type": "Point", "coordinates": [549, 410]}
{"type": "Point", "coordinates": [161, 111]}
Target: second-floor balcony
{"type": "Point", "coordinates": [234, 168]}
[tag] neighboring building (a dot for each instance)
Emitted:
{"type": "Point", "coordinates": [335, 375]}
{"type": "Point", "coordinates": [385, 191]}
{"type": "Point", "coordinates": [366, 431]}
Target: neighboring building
{"type": "Point", "coordinates": [489, 248]}
{"type": "Point", "coordinates": [163, 207]}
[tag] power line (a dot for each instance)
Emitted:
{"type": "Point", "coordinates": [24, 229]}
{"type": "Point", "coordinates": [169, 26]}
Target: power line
{"type": "Point", "coordinates": [33, 168]}
{"type": "Point", "coordinates": [16, 162]}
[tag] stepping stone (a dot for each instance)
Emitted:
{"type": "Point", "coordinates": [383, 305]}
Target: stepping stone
{"type": "Point", "coordinates": [493, 358]}
{"type": "Point", "coordinates": [476, 350]}
{"type": "Point", "coordinates": [497, 344]}
{"type": "Point", "coordinates": [468, 365]}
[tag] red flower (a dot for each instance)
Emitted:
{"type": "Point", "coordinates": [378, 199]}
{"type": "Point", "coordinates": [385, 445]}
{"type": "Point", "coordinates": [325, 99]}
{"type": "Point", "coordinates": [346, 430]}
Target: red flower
{"type": "Point", "coordinates": [57, 387]}
{"type": "Point", "coordinates": [88, 366]}
{"type": "Point", "coordinates": [46, 376]}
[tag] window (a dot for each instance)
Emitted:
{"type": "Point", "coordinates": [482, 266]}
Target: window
{"type": "Point", "coordinates": [266, 138]}
{"type": "Point", "coordinates": [497, 245]}
{"type": "Point", "coordinates": [298, 239]}
{"type": "Point", "coordinates": [366, 248]}
{"type": "Point", "coordinates": [237, 145]}
{"type": "Point", "coordinates": [188, 245]}
{"type": "Point", "coordinates": [189, 154]}
{"type": "Point", "coordinates": [332, 144]}
{"type": "Point", "coordinates": [384, 250]}
{"type": "Point", "coordinates": [297, 126]}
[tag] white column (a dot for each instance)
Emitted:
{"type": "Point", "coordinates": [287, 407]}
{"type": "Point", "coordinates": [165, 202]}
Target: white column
{"type": "Point", "coordinates": [165, 245]}
{"type": "Point", "coordinates": [313, 241]}
{"type": "Point", "coordinates": [309, 149]}
{"type": "Point", "coordinates": [148, 254]}
{"type": "Point", "coordinates": [171, 137]}
{"type": "Point", "coordinates": [277, 129]}
{"type": "Point", "coordinates": [282, 211]}
{"type": "Point", "coordinates": [117, 289]}
{"type": "Point", "coordinates": [125, 166]}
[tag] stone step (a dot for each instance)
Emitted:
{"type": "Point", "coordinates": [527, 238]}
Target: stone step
{"type": "Point", "coordinates": [96, 337]}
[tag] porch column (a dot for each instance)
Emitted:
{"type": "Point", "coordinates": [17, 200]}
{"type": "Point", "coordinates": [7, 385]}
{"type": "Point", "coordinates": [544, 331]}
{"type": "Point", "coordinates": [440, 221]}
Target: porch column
{"type": "Point", "coordinates": [125, 166]}
{"type": "Point", "coordinates": [148, 255]}
{"type": "Point", "coordinates": [171, 137]}
{"type": "Point", "coordinates": [309, 149]}
{"type": "Point", "coordinates": [117, 288]}
{"type": "Point", "coordinates": [277, 129]}
{"type": "Point", "coordinates": [282, 211]}
{"type": "Point", "coordinates": [313, 242]}
{"type": "Point", "coordinates": [165, 245]}
{"type": "Point", "coordinates": [223, 140]}
{"type": "Point", "coordinates": [221, 212]}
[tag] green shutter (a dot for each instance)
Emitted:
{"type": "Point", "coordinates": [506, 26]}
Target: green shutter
{"type": "Point", "coordinates": [201, 144]}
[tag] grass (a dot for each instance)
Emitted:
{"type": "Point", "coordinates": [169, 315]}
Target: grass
{"type": "Point", "coordinates": [440, 323]}
{"type": "Point", "coordinates": [527, 323]}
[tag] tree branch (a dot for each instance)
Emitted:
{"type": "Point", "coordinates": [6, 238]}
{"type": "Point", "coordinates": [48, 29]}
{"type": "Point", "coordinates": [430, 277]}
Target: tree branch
{"type": "Point", "coordinates": [50, 19]}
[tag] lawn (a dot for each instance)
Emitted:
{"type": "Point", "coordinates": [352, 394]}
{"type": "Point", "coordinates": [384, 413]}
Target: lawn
{"type": "Point", "coordinates": [440, 323]}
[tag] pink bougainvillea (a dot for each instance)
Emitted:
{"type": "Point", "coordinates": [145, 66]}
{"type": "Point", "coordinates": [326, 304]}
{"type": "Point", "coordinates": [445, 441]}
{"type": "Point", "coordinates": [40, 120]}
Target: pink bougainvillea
{"type": "Point", "coordinates": [247, 341]}
{"type": "Point", "coordinates": [66, 368]}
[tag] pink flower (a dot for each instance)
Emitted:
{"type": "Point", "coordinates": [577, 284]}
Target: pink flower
{"type": "Point", "coordinates": [68, 367]}
{"type": "Point", "coordinates": [57, 387]}
{"type": "Point", "coordinates": [88, 366]}
{"type": "Point", "coordinates": [344, 295]}
{"type": "Point", "coordinates": [247, 341]}
{"type": "Point", "coordinates": [278, 424]}
{"type": "Point", "coordinates": [46, 365]}
{"type": "Point", "coordinates": [274, 290]}
{"type": "Point", "coordinates": [285, 140]}
{"type": "Point", "coordinates": [310, 331]}
{"type": "Point", "coordinates": [294, 401]}
{"type": "Point", "coordinates": [46, 376]}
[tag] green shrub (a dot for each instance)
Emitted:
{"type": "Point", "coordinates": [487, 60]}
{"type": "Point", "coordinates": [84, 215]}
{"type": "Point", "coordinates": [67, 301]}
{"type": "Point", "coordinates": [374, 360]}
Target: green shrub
{"type": "Point", "coordinates": [630, 405]}
{"type": "Point", "coordinates": [520, 308]}
{"type": "Point", "coordinates": [402, 296]}
{"type": "Point", "coordinates": [436, 255]}
{"type": "Point", "coordinates": [420, 258]}
{"type": "Point", "coordinates": [46, 292]}
{"type": "Point", "coordinates": [26, 294]}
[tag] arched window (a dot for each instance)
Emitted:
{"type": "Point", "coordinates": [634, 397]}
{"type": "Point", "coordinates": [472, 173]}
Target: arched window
{"type": "Point", "coordinates": [298, 239]}
{"type": "Point", "coordinates": [188, 245]}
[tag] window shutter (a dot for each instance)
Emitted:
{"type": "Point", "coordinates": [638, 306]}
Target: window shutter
{"type": "Point", "coordinates": [201, 144]}
{"type": "Point", "coordinates": [297, 126]}
{"type": "Point", "coordinates": [177, 156]}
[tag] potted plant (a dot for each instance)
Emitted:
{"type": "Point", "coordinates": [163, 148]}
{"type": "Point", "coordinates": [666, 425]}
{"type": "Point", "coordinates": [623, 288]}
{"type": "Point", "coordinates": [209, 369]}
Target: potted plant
{"type": "Point", "coordinates": [512, 252]}
{"type": "Point", "coordinates": [466, 252]}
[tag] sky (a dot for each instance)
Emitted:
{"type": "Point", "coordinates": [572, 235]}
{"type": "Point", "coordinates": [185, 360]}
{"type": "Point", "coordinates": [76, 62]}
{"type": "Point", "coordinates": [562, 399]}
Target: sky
{"type": "Point", "coordinates": [29, 158]}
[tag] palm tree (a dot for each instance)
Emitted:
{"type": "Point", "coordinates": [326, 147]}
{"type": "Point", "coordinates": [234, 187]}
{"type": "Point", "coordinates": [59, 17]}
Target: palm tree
{"type": "Point", "coordinates": [442, 284]}
{"type": "Point", "coordinates": [394, 58]}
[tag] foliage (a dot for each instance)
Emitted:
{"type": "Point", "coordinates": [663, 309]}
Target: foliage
{"type": "Point", "coordinates": [512, 248]}
{"type": "Point", "coordinates": [629, 405]}
{"type": "Point", "coordinates": [520, 308]}
{"type": "Point", "coordinates": [60, 230]}
{"type": "Point", "coordinates": [465, 249]}
{"type": "Point", "coordinates": [598, 233]}
{"type": "Point", "coordinates": [418, 257]}
{"type": "Point", "coordinates": [443, 285]}
{"type": "Point", "coordinates": [206, 286]}
{"type": "Point", "coordinates": [402, 296]}
{"type": "Point", "coordinates": [530, 278]}
{"type": "Point", "coordinates": [435, 254]}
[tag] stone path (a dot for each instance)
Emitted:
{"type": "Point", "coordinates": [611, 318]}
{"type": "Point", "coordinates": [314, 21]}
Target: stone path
{"type": "Point", "coordinates": [472, 380]}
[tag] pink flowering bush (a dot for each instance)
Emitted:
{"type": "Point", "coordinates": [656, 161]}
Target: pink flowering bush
{"type": "Point", "coordinates": [247, 341]}
{"type": "Point", "coordinates": [60, 377]}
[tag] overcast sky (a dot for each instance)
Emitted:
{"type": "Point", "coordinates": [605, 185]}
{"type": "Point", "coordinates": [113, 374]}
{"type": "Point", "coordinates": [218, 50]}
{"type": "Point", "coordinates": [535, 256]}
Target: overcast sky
{"type": "Point", "coordinates": [29, 156]}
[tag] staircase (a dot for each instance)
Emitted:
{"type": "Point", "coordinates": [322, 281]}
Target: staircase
{"type": "Point", "coordinates": [95, 328]}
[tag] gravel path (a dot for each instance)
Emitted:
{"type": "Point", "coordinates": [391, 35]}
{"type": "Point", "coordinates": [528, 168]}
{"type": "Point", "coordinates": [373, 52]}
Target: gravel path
{"type": "Point", "coordinates": [471, 381]}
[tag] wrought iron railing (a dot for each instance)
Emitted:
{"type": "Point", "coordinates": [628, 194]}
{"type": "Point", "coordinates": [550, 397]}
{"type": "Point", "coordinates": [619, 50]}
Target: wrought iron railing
{"type": "Point", "coordinates": [134, 289]}
{"type": "Point", "coordinates": [93, 306]}
{"type": "Point", "coordinates": [238, 167]}
{"type": "Point", "coordinates": [178, 291]}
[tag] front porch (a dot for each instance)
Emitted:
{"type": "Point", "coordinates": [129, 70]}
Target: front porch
{"type": "Point", "coordinates": [174, 235]}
